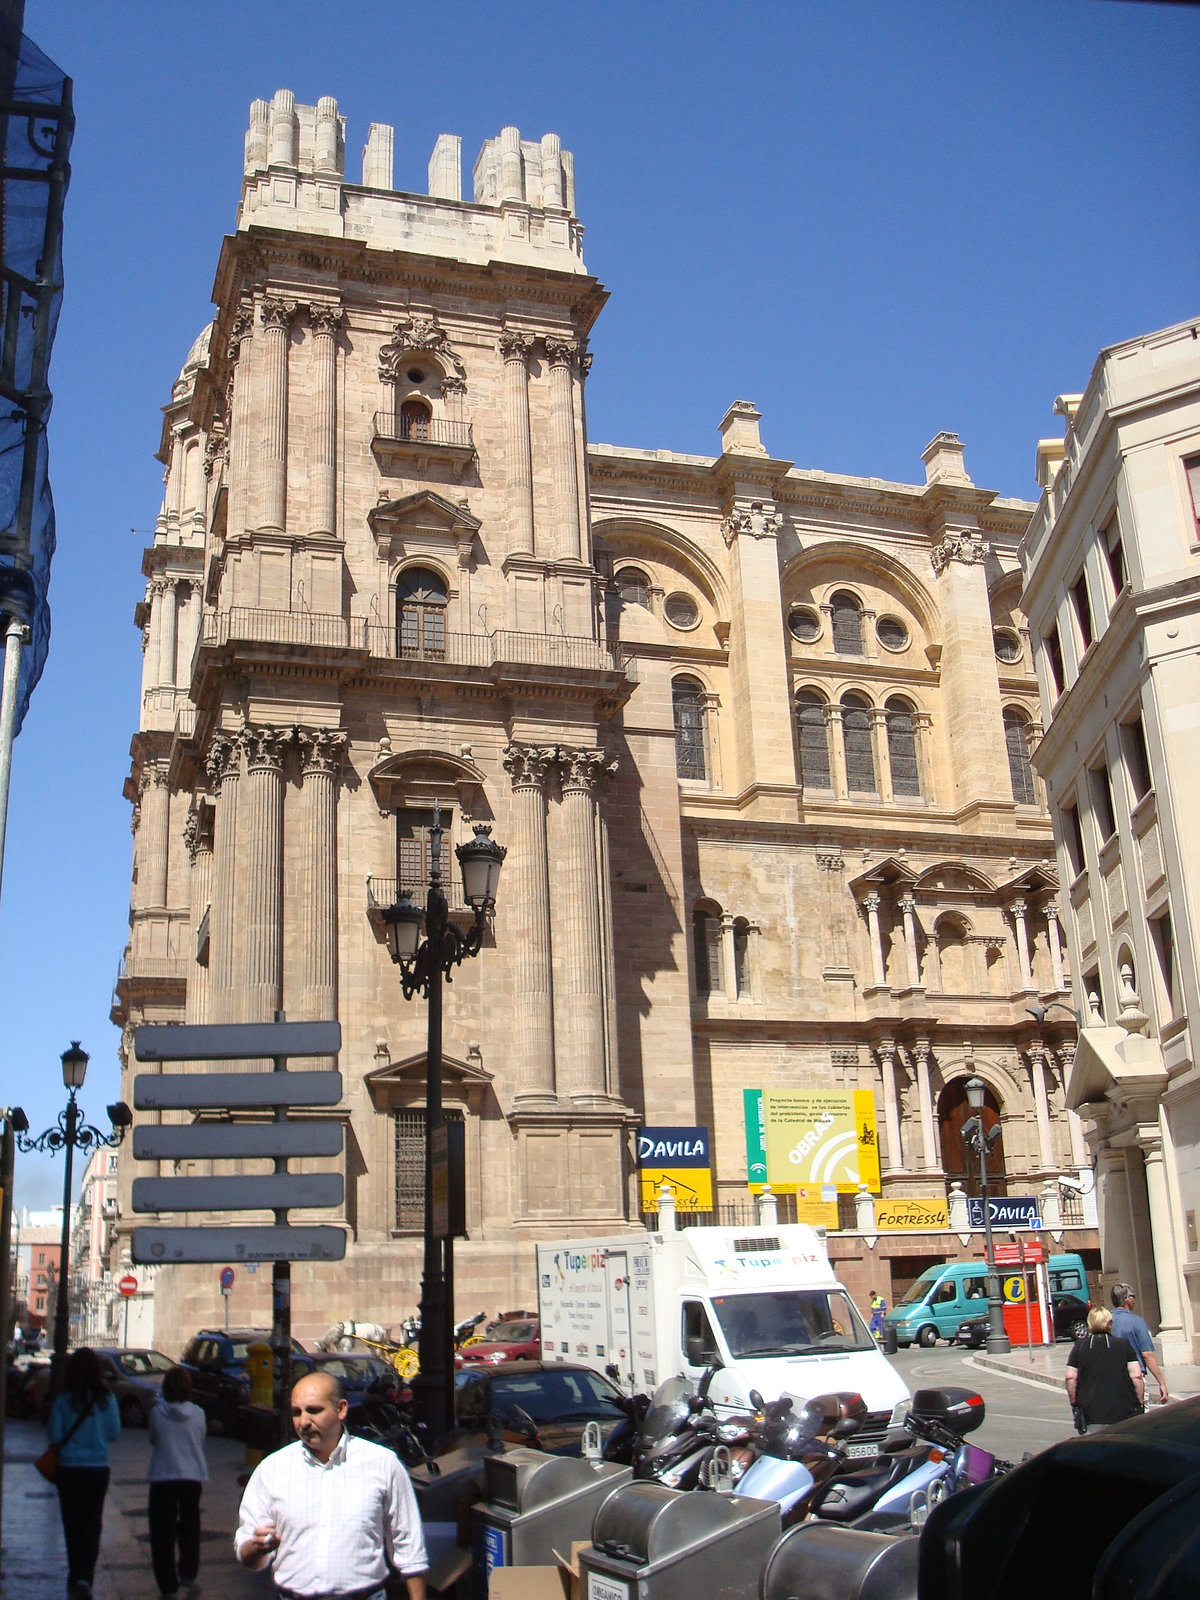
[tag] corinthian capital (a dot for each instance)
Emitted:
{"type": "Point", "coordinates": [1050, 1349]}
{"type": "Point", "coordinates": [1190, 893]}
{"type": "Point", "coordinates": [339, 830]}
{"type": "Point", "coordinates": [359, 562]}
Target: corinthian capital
{"type": "Point", "coordinates": [561, 352]}
{"type": "Point", "coordinates": [515, 345]}
{"type": "Point", "coordinates": [219, 758]}
{"type": "Point", "coordinates": [278, 313]}
{"type": "Point", "coordinates": [321, 750]}
{"type": "Point", "coordinates": [326, 319]}
{"type": "Point", "coordinates": [265, 748]}
{"type": "Point", "coordinates": [528, 764]}
{"type": "Point", "coordinates": [240, 328]}
{"type": "Point", "coordinates": [582, 770]}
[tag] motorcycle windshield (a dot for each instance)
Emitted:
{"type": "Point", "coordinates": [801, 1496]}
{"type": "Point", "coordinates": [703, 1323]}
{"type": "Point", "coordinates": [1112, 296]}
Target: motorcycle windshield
{"type": "Point", "coordinates": [669, 1410]}
{"type": "Point", "coordinates": [801, 1429]}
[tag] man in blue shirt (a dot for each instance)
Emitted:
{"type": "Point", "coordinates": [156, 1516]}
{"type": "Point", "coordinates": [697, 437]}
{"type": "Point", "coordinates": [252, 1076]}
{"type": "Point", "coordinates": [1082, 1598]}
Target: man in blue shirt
{"type": "Point", "coordinates": [1126, 1324]}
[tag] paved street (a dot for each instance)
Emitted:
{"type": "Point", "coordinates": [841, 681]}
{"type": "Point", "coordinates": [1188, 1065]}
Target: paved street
{"type": "Point", "coordinates": [1021, 1415]}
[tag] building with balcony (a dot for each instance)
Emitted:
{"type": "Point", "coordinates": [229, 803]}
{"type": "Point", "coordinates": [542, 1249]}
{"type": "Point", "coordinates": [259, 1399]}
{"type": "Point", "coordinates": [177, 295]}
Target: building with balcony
{"type": "Point", "coordinates": [1112, 591]}
{"type": "Point", "coordinates": [757, 739]}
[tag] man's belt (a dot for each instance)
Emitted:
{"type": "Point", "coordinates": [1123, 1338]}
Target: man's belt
{"type": "Point", "coordinates": [335, 1594]}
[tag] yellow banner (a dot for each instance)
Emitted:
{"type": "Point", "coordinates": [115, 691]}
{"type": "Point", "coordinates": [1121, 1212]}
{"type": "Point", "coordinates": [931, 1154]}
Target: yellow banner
{"type": "Point", "coordinates": [822, 1137]}
{"type": "Point", "coordinates": [892, 1216]}
{"type": "Point", "coordinates": [691, 1186]}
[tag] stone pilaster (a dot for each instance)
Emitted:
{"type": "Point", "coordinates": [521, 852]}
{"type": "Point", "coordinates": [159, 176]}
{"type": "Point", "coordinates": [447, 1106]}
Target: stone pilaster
{"type": "Point", "coordinates": [1018, 909]}
{"type": "Point", "coordinates": [1035, 1052]}
{"type": "Point", "coordinates": [325, 322]}
{"type": "Point", "coordinates": [908, 910]}
{"type": "Point", "coordinates": [155, 825]}
{"type": "Point", "coordinates": [260, 988]}
{"type": "Point", "coordinates": [155, 592]}
{"type": "Point", "coordinates": [970, 688]}
{"type": "Point", "coordinates": [529, 767]}
{"type": "Point", "coordinates": [223, 766]}
{"type": "Point", "coordinates": [515, 348]}
{"type": "Point", "coordinates": [878, 974]}
{"type": "Point", "coordinates": [241, 339]}
{"type": "Point", "coordinates": [277, 321]}
{"type": "Point", "coordinates": [581, 1057]}
{"type": "Point", "coordinates": [1167, 1255]}
{"type": "Point", "coordinates": [886, 1051]}
{"type": "Point", "coordinates": [920, 1056]}
{"type": "Point", "coordinates": [561, 354]}
{"type": "Point", "coordinates": [168, 633]}
{"type": "Point", "coordinates": [197, 836]}
{"type": "Point", "coordinates": [320, 761]}
{"type": "Point", "coordinates": [1054, 940]}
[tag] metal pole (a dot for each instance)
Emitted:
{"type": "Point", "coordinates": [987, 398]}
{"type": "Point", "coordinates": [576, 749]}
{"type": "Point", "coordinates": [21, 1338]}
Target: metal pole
{"type": "Point", "coordinates": [281, 1300]}
{"type": "Point", "coordinates": [7, 1163]}
{"type": "Point", "coordinates": [1025, 1291]}
{"type": "Point", "coordinates": [125, 1336]}
{"type": "Point", "coordinates": [997, 1339]}
{"type": "Point", "coordinates": [15, 635]}
{"type": "Point", "coordinates": [61, 1313]}
{"type": "Point", "coordinates": [429, 1385]}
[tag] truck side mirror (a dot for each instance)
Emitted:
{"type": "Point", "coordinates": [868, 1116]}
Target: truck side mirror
{"type": "Point", "coordinates": [694, 1347]}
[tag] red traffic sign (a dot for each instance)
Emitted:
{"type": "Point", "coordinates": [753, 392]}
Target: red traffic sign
{"type": "Point", "coordinates": [227, 1277]}
{"type": "Point", "coordinates": [1009, 1255]}
{"type": "Point", "coordinates": [128, 1285]}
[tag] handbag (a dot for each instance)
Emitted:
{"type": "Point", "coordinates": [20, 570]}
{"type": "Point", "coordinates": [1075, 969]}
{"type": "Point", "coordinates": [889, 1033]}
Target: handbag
{"type": "Point", "coordinates": [47, 1462]}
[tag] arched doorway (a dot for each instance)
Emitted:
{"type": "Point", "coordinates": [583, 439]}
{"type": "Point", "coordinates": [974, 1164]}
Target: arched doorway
{"type": "Point", "coordinates": [962, 1165]}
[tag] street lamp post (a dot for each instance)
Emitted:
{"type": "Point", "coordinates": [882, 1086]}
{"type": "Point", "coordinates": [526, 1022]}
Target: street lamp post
{"type": "Point", "coordinates": [976, 1139]}
{"type": "Point", "coordinates": [423, 964]}
{"type": "Point", "coordinates": [71, 1133]}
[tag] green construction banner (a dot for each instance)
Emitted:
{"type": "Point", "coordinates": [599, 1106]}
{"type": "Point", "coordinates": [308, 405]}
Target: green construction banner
{"type": "Point", "coordinates": [756, 1136]}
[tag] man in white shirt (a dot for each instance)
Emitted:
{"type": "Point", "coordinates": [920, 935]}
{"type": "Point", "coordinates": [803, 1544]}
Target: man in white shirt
{"type": "Point", "coordinates": [332, 1512]}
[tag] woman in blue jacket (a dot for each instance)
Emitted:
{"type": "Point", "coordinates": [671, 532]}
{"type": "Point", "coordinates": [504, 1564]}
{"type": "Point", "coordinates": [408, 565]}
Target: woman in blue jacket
{"type": "Point", "coordinates": [84, 1421]}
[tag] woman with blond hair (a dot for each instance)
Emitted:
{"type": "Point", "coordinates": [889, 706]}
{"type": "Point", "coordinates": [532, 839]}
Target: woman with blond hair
{"type": "Point", "coordinates": [1104, 1376]}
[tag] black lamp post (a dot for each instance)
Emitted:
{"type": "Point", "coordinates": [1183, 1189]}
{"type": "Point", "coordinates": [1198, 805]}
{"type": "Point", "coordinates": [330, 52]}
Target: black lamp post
{"type": "Point", "coordinates": [976, 1139]}
{"type": "Point", "coordinates": [423, 964]}
{"type": "Point", "coordinates": [71, 1133]}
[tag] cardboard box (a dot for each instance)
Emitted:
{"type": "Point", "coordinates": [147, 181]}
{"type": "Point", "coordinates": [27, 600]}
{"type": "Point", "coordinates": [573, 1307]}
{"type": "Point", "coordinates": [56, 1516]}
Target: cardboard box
{"type": "Point", "coordinates": [559, 1582]}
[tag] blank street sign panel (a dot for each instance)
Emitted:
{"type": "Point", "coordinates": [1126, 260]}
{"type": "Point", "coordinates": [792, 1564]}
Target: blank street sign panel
{"type": "Point", "coordinates": [159, 1246]}
{"type": "Point", "coordinates": [236, 1141]}
{"type": "Point", "coordinates": [219, 1091]}
{"type": "Point", "coordinates": [235, 1041]}
{"type": "Point", "coordinates": [271, 1191]}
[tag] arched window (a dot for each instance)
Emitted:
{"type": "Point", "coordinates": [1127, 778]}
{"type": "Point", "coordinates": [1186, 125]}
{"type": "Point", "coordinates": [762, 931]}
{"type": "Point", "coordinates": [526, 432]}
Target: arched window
{"type": "Point", "coordinates": [813, 740]}
{"type": "Point", "coordinates": [902, 749]}
{"type": "Point", "coordinates": [421, 614]}
{"type": "Point", "coordinates": [958, 1162]}
{"type": "Point", "coordinates": [634, 587]}
{"type": "Point", "coordinates": [1020, 772]}
{"type": "Point", "coordinates": [847, 625]}
{"type": "Point", "coordinates": [414, 420]}
{"type": "Point", "coordinates": [860, 756]}
{"type": "Point", "coordinates": [706, 949]}
{"type": "Point", "coordinates": [687, 704]}
{"type": "Point", "coordinates": [953, 951]}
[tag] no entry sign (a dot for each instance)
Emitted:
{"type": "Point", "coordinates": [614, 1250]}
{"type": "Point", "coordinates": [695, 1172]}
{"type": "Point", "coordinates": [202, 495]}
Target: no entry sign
{"type": "Point", "coordinates": [128, 1285]}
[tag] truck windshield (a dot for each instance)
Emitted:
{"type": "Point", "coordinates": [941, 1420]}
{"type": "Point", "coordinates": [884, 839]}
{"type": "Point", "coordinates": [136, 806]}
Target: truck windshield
{"type": "Point", "coordinates": [791, 1322]}
{"type": "Point", "coordinates": [916, 1291]}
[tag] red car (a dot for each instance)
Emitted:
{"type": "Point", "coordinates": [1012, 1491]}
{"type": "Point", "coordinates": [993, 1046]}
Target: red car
{"type": "Point", "coordinates": [507, 1339]}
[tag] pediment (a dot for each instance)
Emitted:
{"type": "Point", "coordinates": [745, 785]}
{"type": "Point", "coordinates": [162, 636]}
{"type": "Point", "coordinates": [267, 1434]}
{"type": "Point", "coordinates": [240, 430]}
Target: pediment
{"type": "Point", "coordinates": [1111, 1064]}
{"type": "Point", "coordinates": [406, 1080]}
{"type": "Point", "coordinates": [1034, 880]}
{"type": "Point", "coordinates": [418, 777]}
{"type": "Point", "coordinates": [954, 877]}
{"type": "Point", "coordinates": [423, 512]}
{"type": "Point", "coordinates": [890, 872]}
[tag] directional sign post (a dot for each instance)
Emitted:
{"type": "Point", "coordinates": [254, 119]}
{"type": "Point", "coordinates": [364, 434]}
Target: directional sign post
{"type": "Point", "coordinates": [210, 1140]}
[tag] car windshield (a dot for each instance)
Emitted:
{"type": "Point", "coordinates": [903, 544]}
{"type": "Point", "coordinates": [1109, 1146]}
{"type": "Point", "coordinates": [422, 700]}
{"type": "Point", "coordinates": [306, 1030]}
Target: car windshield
{"type": "Point", "coordinates": [791, 1322]}
{"type": "Point", "coordinates": [508, 1333]}
{"type": "Point", "coordinates": [143, 1363]}
{"type": "Point", "coordinates": [554, 1396]}
{"type": "Point", "coordinates": [916, 1291]}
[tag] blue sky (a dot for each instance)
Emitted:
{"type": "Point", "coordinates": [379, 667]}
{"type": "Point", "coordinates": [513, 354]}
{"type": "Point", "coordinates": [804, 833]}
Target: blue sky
{"type": "Point", "coordinates": [875, 220]}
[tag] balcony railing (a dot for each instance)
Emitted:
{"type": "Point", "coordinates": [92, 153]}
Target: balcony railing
{"type": "Point", "coordinates": [457, 649]}
{"type": "Point", "coordinates": [254, 626]}
{"type": "Point", "coordinates": [383, 892]}
{"type": "Point", "coordinates": [437, 431]}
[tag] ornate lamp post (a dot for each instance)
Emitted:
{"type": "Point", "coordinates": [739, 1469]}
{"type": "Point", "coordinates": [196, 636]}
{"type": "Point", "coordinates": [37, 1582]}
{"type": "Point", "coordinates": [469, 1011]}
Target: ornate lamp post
{"type": "Point", "coordinates": [423, 964]}
{"type": "Point", "coordinates": [977, 1140]}
{"type": "Point", "coordinates": [70, 1133]}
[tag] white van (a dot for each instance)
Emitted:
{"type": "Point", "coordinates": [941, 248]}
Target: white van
{"type": "Point", "coordinates": [762, 1302]}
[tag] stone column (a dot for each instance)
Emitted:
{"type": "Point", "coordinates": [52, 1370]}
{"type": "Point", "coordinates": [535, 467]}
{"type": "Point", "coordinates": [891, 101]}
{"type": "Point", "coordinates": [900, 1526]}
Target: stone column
{"type": "Point", "coordinates": [157, 589]}
{"type": "Point", "coordinates": [729, 956]}
{"type": "Point", "coordinates": [837, 750]}
{"type": "Point", "coordinates": [886, 1051]}
{"type": "Point", "coordinates": [148, 664]}
{"type": "Point", "coordinates": [872, 901]}
{"type": "Point", "coordinates": [223, 766]}
{"type": "Point", "coordinates": [1054, 940]}
{"type": "Point", "coordinates": [261, 880]}
{"type": "Point", "coordinates": [920, 1054]}
{"type": "Point", "coordinates": [1018, 915]}
{"type": "Point", "coordinates": [155, 833]}
{"type": "Point", "coordinates": [515, 348]}
{"type": "Point", "coordinates": [277, 321]}
{"type": "Point", "coordinates": [322, 451]}
{"type": "Point", "coordinates": [529, 766]}
{"type": "Point", "coordinates": [197, 836]}
{"type": "Point", "coordinates": [908, 908]}
{"type": "Point", "coordinates": [168, 633]}
{"type": "Point", "coordinates": [320, 760]}
{"type": "Point", "coordinates": [583, 1019]}
{"type": "Point", "coordinates": [971, 708]}
{"type": "Point", "coordinates": [883, 760]}
{"type": "Point", "coordinates": [241, 338]}
{"type": "Point", "coordinates": [1079, 1150]}
{"type": "Point", "coordinates": [192, 633]}
{"type": "Point", "coordinates": [1035, 1051]}
{"type": "Point", "coordinates": [1166, 1256]}
{"type": "Point", "coordinates": [560, 353]}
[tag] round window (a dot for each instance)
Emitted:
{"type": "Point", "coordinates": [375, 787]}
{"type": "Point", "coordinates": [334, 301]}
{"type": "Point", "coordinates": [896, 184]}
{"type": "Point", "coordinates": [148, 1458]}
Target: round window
{"type": "Point", "coordinates": [804, 624]}
{"type": "Point", "coordinates": [415, 375]}
{"type": "Point", "coordinates": [1008, 646]}
{"type": "Point", "coordinates": [891, 633]}
{"type": "Point", "coordinates": [681, 610]}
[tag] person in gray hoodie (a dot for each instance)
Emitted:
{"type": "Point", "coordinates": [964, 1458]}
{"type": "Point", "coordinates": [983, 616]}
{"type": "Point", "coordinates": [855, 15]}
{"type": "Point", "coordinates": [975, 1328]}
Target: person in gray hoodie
{"type": "Point", "coordinates": [178, 1471]}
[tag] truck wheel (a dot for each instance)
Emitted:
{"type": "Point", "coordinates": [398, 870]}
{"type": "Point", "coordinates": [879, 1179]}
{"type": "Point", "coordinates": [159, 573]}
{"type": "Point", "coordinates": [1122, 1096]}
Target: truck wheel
{"type": "Point", "coordinates": [927, 1337]}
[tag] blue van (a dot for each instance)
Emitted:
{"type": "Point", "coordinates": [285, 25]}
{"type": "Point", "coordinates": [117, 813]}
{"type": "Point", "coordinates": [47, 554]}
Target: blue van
{"type": "Point", "coordinates": [954, 1292]}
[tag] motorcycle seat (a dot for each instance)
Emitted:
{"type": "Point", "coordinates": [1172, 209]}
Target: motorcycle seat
{"type": "Point", "coordinates": [843, 1499]}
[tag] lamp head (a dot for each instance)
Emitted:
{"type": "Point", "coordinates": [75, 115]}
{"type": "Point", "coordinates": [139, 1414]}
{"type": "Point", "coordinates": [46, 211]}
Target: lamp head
{"type": "Point", "coordinates": [20, 1122]}
{"type": "Point", "coordinates": [1038, 1013]}
{"type": "Point", "coordinates": [403, 922]}
{"type": "Point", "coordinates": [480, 860]}
{"type": "Point", "coordinates": [74, 1066]}
{"type": "Point", "coordinates": [976, 1089]}
{"type": "Point", "coordinates": [120, 1115]}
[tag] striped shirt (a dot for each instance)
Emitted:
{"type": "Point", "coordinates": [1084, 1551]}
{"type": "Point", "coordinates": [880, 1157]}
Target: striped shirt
{"type": "Point", "coordinates": [339, 1522]}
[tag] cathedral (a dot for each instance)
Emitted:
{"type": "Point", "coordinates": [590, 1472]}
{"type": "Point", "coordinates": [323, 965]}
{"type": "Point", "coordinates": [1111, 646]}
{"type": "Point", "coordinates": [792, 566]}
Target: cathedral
{"type": "Point", "coordinates": [756, 738]}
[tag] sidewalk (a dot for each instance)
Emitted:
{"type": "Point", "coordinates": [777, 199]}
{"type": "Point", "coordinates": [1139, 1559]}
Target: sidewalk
{"type": "Point", "coordinates": [1048, 1364]}
{"type": "Point", "coordinates": [34, 1561]}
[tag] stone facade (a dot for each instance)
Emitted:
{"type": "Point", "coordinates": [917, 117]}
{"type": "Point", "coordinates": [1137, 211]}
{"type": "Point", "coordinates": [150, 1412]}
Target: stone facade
{"type": "Point", "coordinates": [756, 737]}
{"type": "Point", "coordinates": [1112, 565]}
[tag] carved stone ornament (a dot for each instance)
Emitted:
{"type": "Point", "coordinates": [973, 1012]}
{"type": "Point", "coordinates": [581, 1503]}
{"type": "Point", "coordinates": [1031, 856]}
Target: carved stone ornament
{"type": "Point", "coordinates": [265, 748]}
{"type": "Point", "coordinates": [321, 750]}
{"type": "Point", "coordinates": [585, 363]}
{"type": "Point", "coordinates": [239, 328]}
{"type": "Point", "coordinates": [219, 757]}
{"type": "Point", "coordinates": [216, 447]}
{"type": "Point", "coordinates": [582, 770]}
{"type": "Point", "coordinates": [830, 860]}
{"type": "Point", "coordinates": [326, 319]}
{"type": "Point", "coordinates": [528, 765]}
{"type": "Point", "coordinates": [411, 336]}
{"type": "Point", "coordinates": [758, 523]}
{"type": "Point", "coordinates": [278, 313]}
{"type": "Point", "coordinates": [515, 345]}
{"type": "Point", "coordinates": [561, 352]}
{"type": "Point", "coordinates": [969, 548]}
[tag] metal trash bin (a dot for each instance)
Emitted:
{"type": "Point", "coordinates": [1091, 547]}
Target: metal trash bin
{"type": "Point", "coordinates": [654, 1543]}
{"type": "Point", "coordinates": [825, 1561]}
{"type": "Point", "coordinates": [534, 1504]}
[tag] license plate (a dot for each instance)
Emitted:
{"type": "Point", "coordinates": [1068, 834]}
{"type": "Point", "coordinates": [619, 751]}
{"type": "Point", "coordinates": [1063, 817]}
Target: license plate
{"type": "Point", "coordinates": [861, 1451]}
{"type": "Point", "coordinates": [601, 1588]}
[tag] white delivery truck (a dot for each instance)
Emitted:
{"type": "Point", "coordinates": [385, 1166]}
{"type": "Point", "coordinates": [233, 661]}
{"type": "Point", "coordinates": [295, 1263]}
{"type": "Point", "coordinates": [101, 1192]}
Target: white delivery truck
{"type": "Point", "coordinates": [763, 1303]}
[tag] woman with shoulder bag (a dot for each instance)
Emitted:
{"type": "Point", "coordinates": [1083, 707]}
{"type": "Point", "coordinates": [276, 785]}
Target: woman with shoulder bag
{"type": "Point", "coordinates": [84, 1421]}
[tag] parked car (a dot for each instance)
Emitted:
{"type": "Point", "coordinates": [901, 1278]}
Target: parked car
{"type": "Point", "coordinates": [559, 1399]}
{"type": "Point", "coordinates": [134, 1376]}
{"type": "Point", "coordinates": [506, 1339]}
{"type": "Point", "coordinates": [216, 1360]}
{"type": "Point", "coordinates": [23, 1381]}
